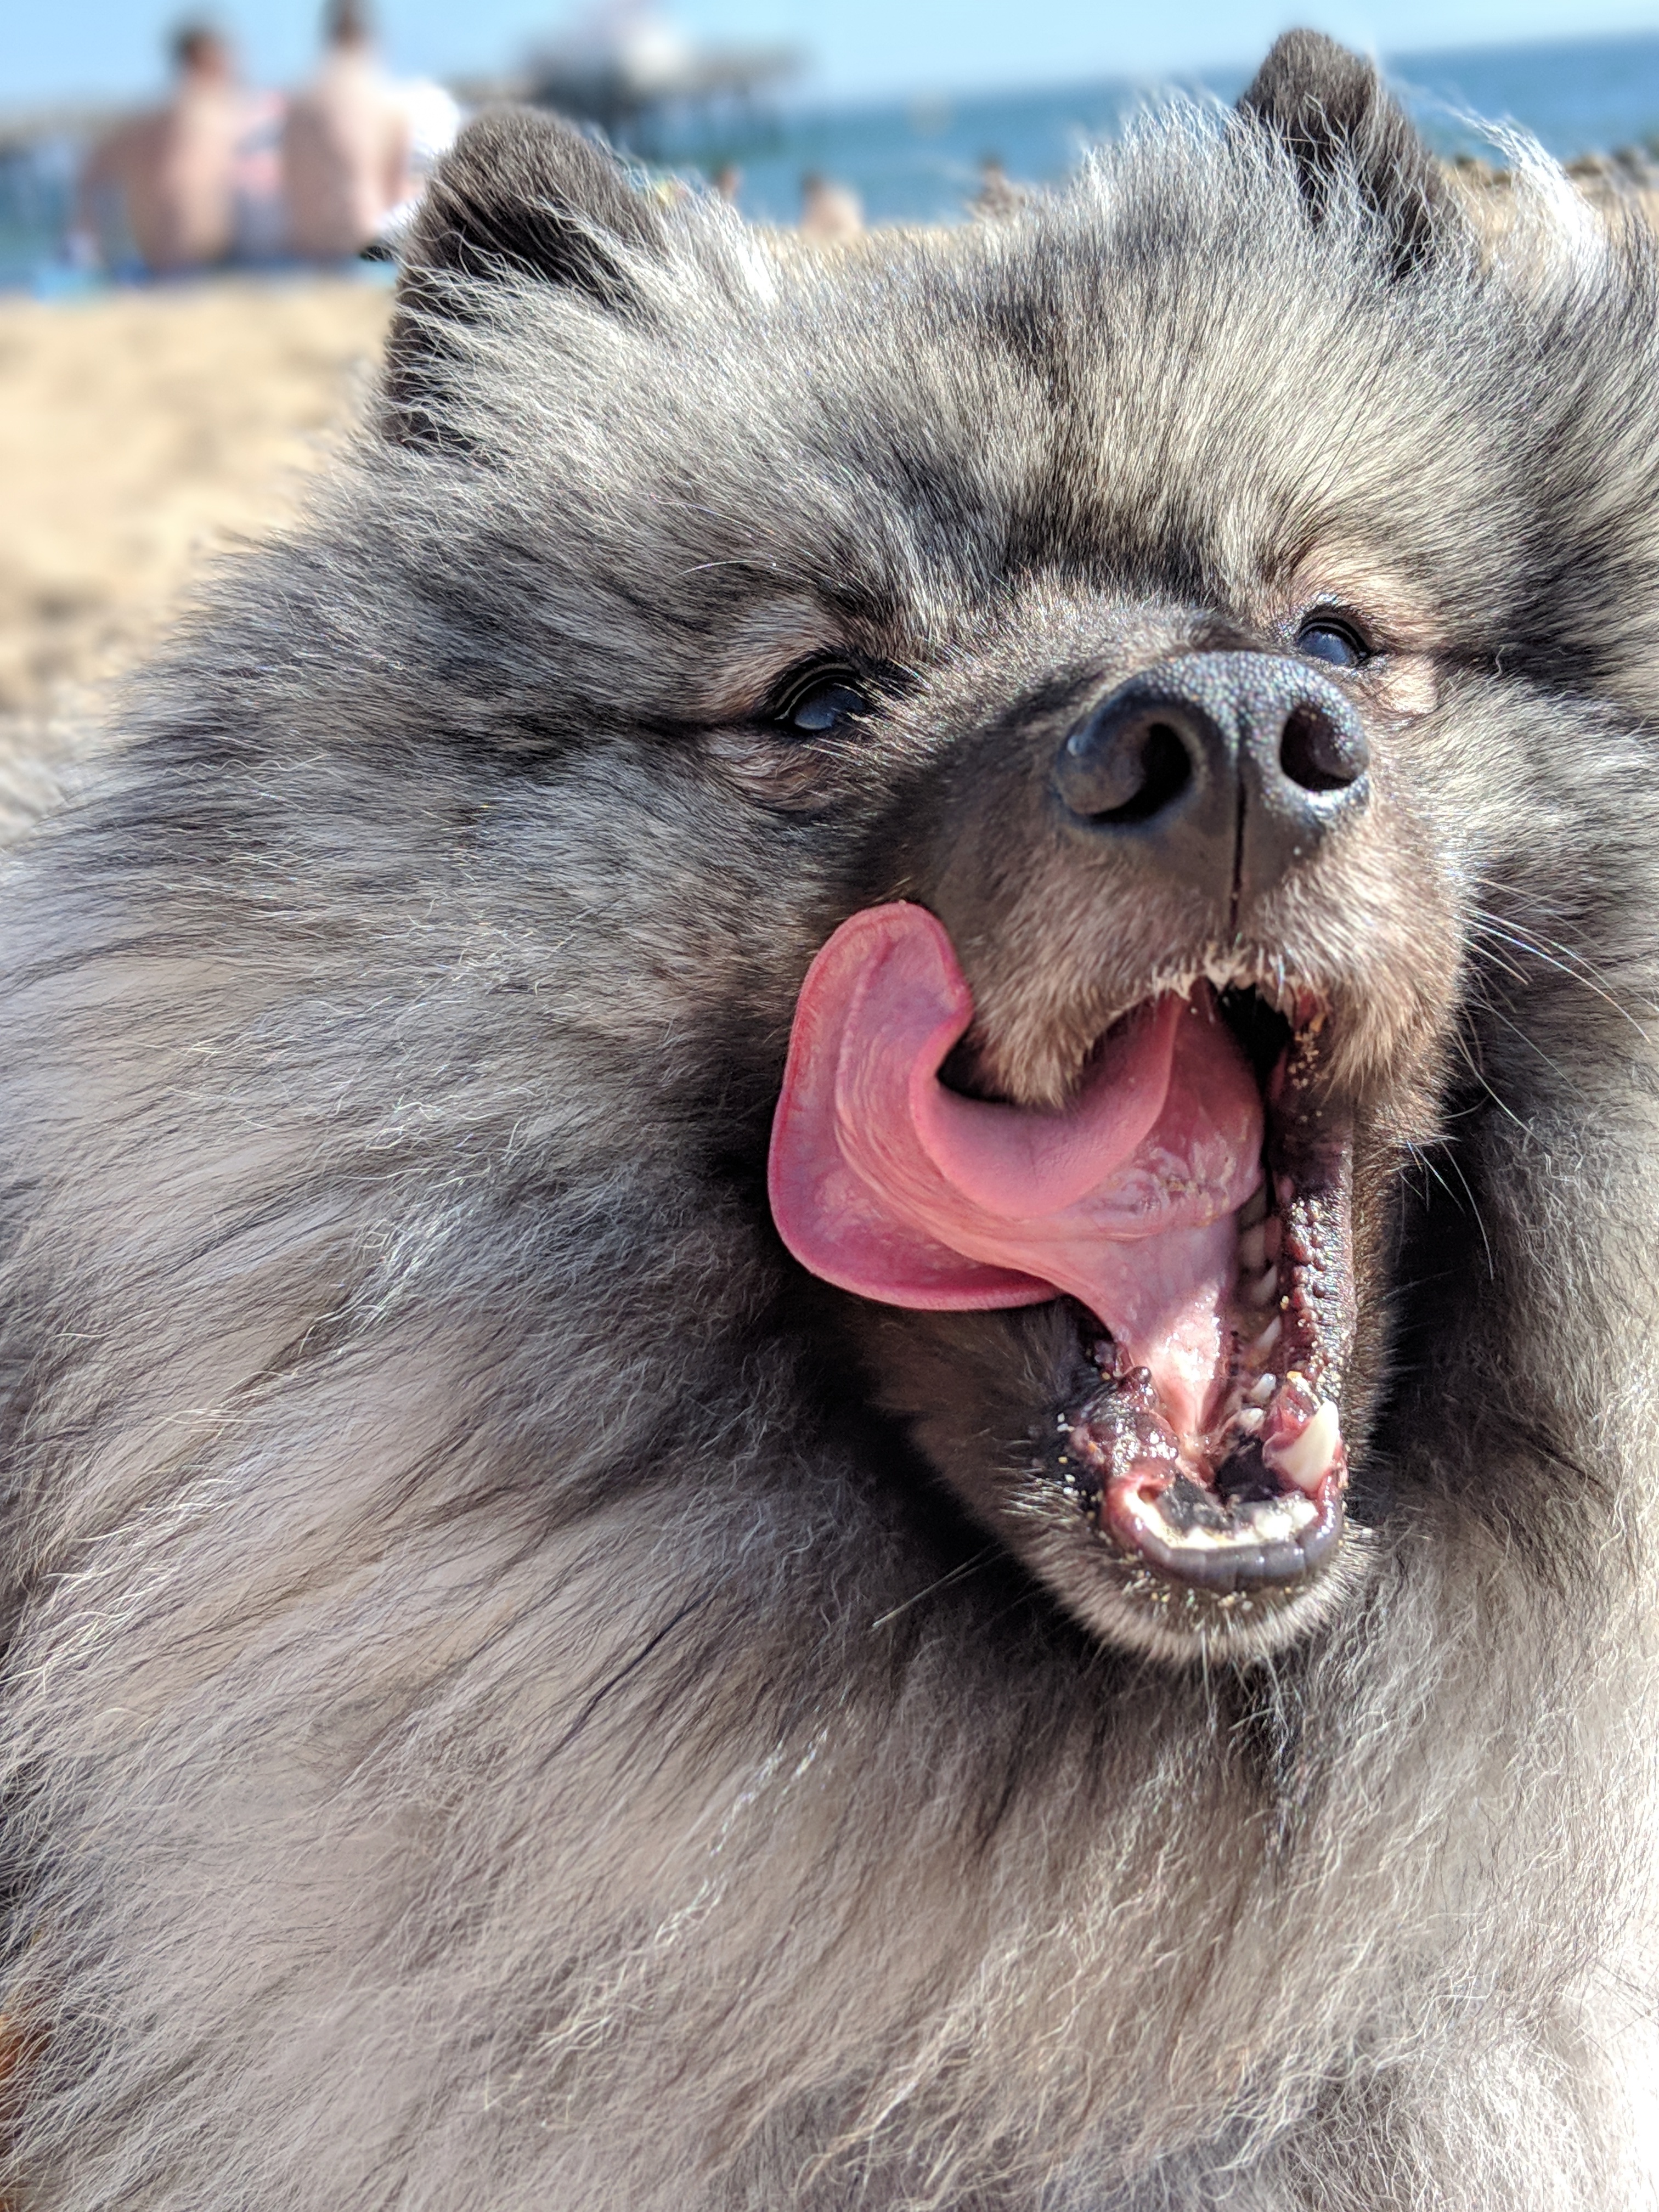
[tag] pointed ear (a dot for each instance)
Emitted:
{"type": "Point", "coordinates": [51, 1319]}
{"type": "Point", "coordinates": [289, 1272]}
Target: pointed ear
{"type": "Point", "coordinates": [1329, 108]}
{"type": "Point", "coordinates": [518, 195]}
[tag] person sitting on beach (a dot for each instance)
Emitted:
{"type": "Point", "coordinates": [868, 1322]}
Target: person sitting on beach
{"type": "Point", "coordinates": [998, 195]}
{"type": "Point", "coordinates": [345, 145]}
{"type": "Point", "coordinates": [168, 177]}
{"type": "Point", "coordinates": [829, 211]}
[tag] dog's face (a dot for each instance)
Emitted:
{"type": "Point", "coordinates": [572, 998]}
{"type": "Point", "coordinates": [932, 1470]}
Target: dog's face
{"type": "Point", "coordinates": [1162, 592]}
{"type": "Point", "coordinates": [1185, 848]}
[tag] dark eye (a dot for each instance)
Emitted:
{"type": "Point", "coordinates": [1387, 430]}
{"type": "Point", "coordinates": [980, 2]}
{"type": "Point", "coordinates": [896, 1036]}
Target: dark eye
{"type": "Point", "coordinates": [1324, 637]}
{"type": "Point", "coordinates": [823, 700]}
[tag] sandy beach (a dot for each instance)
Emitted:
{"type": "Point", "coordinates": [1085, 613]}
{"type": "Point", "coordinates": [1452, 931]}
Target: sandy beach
{"type": "Point", "coordinates": [141, 434]}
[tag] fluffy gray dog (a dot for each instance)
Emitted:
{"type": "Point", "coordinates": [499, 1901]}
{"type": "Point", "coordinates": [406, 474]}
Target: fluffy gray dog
{"type": "Point", "coordinates": [1085, 1639]}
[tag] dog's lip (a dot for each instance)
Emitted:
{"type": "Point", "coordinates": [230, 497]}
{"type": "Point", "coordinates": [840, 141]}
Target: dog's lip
{"type": "Point", "coordinates": [1183, 1533]}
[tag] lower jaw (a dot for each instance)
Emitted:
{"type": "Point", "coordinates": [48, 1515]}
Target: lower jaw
{"type": "Point", "coordinates": [1128, 1601]}
{"type": "Point", "coordinates": [1238, 1531]}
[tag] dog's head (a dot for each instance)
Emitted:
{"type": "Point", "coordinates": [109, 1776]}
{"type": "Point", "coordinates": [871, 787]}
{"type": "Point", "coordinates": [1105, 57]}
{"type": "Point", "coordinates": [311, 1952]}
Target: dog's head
{"type": "Point", "coordinates": [1114, 717]}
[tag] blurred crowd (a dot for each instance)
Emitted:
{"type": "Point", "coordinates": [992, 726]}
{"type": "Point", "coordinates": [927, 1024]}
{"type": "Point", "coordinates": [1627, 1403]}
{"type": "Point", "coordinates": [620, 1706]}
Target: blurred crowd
{"type": "Point", "coordinates": [221, 171]}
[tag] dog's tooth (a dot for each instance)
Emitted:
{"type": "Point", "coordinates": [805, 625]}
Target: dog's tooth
{"type": "Point", "coordinates": [1248, 1420]}
{"type": "Point", "coordinates": [1263, 1388]}
{"type": "Point", "coordinates": [1264, 1289]}
{"type": "Point", "coordinates": [1307, 1460]}
{"type": "Point", "coordinates": [1269, 1337]}
{"type": "Point", "coordinates": [1254, 1208]}
{"type": "Point", "coordinates": [1253, 1249]}
{"type": "Point", "coordinates": [1270, 1519]}
{"type": "Point", "coordinates": [1198, 1538]}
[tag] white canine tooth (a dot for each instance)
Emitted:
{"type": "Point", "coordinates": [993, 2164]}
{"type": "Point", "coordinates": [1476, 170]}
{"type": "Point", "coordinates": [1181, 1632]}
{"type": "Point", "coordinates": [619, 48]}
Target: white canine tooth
{"type": "Point", "coordinates": [1269, 1337]}
{"type": "Point", "coordinates": [1263, 1388]}
{"type": "Point", "coordinates": [1253, 1249]}
{"type": "Point", "coordinates": [1264, 1291]}
{"type": "Point", "coordinates": [1248, 1420]}
{"type": "Point", "coordinates": [1308, 1460]}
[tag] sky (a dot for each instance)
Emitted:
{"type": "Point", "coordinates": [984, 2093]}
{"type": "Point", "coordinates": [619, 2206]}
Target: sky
{"type": "Point", "coordinates": [53, 50]}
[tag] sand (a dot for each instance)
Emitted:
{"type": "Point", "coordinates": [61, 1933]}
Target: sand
{"type": "Point", "coordinates": [141, 434]}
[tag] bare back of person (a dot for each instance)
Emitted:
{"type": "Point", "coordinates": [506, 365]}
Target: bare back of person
{"type": "Point", "coordinates": [172, 169]}
{"type": "Point", "coordinates": [345, 154]}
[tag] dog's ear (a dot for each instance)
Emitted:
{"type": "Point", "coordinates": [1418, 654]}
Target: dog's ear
{"type": "Point", "coordinates": [518, 195]}
{"type": "Point", "coordinates": [1330, 108]}
{"type": "Point", "coordinates": [522, 194]}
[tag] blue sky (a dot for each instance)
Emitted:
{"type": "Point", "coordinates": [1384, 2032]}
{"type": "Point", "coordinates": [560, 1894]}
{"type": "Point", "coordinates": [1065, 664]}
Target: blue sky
{"type": "Point", "coordinates": [51, 49]}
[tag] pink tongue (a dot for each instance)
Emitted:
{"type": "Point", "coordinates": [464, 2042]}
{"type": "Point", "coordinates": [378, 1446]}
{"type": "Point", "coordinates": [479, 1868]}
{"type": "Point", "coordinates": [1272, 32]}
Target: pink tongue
{"type": "Point", "coordinates": [884, 1182]}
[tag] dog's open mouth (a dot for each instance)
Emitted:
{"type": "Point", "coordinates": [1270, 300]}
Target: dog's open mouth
{"type": "Point", "coordinates": [1194, 1201]}
{"type": "Point", "coordinates": [1246, 1490]}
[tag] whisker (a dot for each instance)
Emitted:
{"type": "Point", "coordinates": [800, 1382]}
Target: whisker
{"type": "Point", "coordinates": [1565, 959]}
{"type": "Point", "coordinates": [957, 1574]}
{"type": "Point", "coordinates": [1430, 1168]}
{"type": "Point", "coordinates": [1533, 1045]}
{"type": "Point", "coordinates": [1467, 1053]}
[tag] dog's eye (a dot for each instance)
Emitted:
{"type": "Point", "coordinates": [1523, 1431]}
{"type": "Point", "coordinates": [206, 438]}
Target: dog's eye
{"type": "Point", "coordinates": [1324, 637]}
{"type": "Point", "coordinates": [821, 699]}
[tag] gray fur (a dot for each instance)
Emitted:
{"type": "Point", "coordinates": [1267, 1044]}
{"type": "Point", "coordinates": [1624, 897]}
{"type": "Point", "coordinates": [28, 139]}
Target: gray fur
{"type": "Point", "coordinates": [501, 1710]}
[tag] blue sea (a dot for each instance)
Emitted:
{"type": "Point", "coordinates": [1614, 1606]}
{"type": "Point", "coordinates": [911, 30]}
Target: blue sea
{"type": "Point", "coordinates": [919, 161]}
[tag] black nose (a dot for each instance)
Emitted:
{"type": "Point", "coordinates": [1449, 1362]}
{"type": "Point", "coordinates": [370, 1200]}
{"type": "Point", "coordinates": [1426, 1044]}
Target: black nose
{"type": "Point", "coordinates": [1219, 768]}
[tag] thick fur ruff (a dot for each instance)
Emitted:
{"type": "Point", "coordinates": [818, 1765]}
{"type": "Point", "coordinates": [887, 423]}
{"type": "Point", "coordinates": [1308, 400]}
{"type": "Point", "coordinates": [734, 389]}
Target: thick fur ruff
{"type": "Point", "coordinates": [518, 1698]}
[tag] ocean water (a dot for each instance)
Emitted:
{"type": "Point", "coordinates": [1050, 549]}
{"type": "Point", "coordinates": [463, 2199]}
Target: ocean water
{"type": "Point", "coordinates": [919, 161]}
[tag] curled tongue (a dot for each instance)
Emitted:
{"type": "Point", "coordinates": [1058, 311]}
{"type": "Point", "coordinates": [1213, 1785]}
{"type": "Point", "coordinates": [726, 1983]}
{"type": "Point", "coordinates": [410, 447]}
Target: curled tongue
{"type": "Point", "coordinates": [886, 1183]}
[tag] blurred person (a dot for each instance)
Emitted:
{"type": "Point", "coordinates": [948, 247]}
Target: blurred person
{"type": "Point", "coordinates": [998, 194]}
{"type": "Point", "coordinates": [345, 144]}
{"type": "Point", "coordinates": [829, 211]}
{"type": "Point", "coordinates": [166, 181]}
